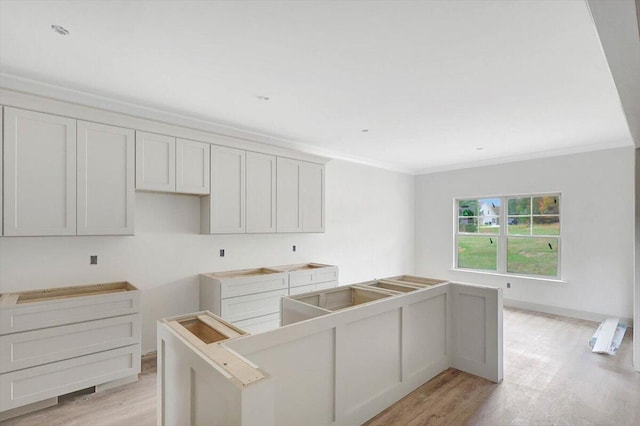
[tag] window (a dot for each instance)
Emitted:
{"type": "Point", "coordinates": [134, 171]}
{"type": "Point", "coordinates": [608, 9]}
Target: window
{"type": "Point", "coordinates": [509, 234]}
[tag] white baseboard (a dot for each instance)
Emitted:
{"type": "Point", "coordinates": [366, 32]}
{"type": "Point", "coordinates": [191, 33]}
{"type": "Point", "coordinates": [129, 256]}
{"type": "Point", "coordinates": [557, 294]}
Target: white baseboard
{"type": "Point", "coordinates": [571, 313]}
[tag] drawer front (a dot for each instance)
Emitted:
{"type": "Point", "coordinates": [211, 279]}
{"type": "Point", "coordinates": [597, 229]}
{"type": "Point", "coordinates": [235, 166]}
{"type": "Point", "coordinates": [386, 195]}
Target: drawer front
{"type": "Point", "coordinates": [301, 289]}
{"type": "Point", "coordinates": [312, 276]}
{"type": "Point", "coordinates": [260, 324]}
{"type": "Point", "coordinates": [326, 274]}
{"type": "Point", "coordinates": [300, 278]}
{"type": "Point", "coordinates": [250, 285]}
{"type": "Point", "coordinates": [326, 285]}
{"type": "Point", "coordinates": [35, 315]}
{"type": "Point", "coordinates": [255, 305]}
{"type": "Point", "coordinates": [31, 348]}
{"type": "Point", "coordinates": [29, 385]}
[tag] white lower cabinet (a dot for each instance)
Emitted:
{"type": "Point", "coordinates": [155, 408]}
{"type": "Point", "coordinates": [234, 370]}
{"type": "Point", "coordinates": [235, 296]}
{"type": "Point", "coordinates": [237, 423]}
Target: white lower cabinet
{"type": "Point", "coordinates": [57, 341]}
{"type": "Point", "coordinates": [250, 298]}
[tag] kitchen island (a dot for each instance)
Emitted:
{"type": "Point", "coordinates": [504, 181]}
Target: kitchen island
{"type": "Point", "coordinates": [342, 355]}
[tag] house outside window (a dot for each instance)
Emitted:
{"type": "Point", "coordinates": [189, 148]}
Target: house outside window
{"type": "Point", "coordinates": [517, 235]}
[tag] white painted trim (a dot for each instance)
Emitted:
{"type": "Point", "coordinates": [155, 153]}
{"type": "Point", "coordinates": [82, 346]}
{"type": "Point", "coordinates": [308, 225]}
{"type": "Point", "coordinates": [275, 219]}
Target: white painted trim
{"type": "Point", "coordinates": [522, 277]}
{"type": "Point", "coordinates": [564, 312]}
{"type": "Point", "coordinates": [36, 88]}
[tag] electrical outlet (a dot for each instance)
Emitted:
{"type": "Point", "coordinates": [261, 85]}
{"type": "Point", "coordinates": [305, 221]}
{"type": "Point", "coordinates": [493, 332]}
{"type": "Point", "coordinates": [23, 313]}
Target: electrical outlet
{"type": "Point", "coordinates": [93, 260]}
{"type": "Point", "coordinates": [508, 285]}
{"type": "Point", "coordinates": [294, 248]}
{"type": "Point", "coordinates": [221, 252]}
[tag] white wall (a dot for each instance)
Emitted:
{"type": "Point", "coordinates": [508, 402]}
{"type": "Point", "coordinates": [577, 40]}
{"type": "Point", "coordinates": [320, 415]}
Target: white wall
{"type": "Point", "coordinates": [369, 233]}
{"type": "Point", "coordinates": [636, 303]}
{"type": "Point", "coordinates": [597, 247]}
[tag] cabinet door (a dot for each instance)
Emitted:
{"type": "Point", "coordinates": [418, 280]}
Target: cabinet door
{"type": "Point", "coordinates": [261, 193]}
{"type": "Point", "coordinates": [288, 196]}
{"type": "Point", "coordinates": [39, 174]}
{"type": "Point", "coordinates": [105, 180]}
{"type": "Point", "coordinates": [155, 162]}
{"type": "Point", "coordinates": [312, 197]}
{"type": "Point", "coordinates": [192, 167]}
{"type": "Point", "coordinates": [227, 200]}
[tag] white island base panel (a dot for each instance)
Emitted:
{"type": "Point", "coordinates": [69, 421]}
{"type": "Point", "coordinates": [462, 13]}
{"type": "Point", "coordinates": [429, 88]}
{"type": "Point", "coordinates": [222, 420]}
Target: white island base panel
{"type": "Point", "coordinates": [338, 368]}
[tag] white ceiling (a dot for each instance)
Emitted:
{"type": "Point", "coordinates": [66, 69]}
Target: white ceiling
{"type": "Point", "coordinates": [432, 81]}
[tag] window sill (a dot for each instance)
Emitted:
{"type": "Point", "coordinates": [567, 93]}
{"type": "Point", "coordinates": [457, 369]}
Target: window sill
{"type": "Point", "coordinates": [520, 277]}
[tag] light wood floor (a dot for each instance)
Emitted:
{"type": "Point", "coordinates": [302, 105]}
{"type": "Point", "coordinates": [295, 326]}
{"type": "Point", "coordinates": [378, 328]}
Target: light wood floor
{"type": "Point", "coordinates": [551, 377]}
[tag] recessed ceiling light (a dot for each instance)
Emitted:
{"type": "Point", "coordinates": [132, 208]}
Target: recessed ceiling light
{"type": "Point", "coordinates": [364, 130]}
{"type": "Point", "coordinates": [60, 30]}
{"type": "Point", "coordinates": [264, 98]}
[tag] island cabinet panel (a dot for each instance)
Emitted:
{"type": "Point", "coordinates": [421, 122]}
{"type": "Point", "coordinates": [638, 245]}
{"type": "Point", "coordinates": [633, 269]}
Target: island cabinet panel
{"type": "Point", "coordinates": [56, 341]}
{"type": "Point", "coordinates": [155, 162]}
{"type": "Point", "coordinates": [192, 167]}
{"type": "Point", "coordinates": [261, 193]}
{"type": "Point", "coordinates": [39, 174]}
{"type": "Point", "coordinates": [106, 180]}
{"type": "Point", "coordinates": [223, 212]}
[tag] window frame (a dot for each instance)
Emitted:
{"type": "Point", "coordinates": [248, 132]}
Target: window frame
{"type": "Point", "coordinates": [503, 235]}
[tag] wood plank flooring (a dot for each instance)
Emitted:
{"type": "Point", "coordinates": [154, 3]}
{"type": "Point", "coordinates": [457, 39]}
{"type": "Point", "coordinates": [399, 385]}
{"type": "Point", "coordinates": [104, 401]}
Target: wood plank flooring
{"type": "Point", "coordinates": [551, 377]}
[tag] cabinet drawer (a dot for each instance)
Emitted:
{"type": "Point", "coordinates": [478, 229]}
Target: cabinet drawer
{"type": "Point", "coordinates": [255, 305]}
{"type": "Point", "coordinates": [312, 276]}
{"type": "Point", "coordinates": [326, 274]}
{"type": "Point", "coordinates": [29, 385]}
{"type": "Point", "coordinates": [326, 285]}
{"type": "Point", "coordinates": [41, 314]}
{"type": "Point", "coordinates": [301, 289]}
{"type": "Point", "coordinates": [250, 285]}
{"type": "Point", "coordinates": [31, 348]}
{"type": "Point", "coordinates": [260, 324]}
{"type": "Point", "coordinates": [313, 287]}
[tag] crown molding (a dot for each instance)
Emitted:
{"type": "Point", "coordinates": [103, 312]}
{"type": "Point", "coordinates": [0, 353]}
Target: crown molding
{"type": "Point", "coordinates": [527, 157]}
{"type": "Point", "coordinates": [81, 98]}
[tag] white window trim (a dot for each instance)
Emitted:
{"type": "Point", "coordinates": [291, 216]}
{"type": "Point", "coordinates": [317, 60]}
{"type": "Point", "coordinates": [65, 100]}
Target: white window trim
{"type": "Point", "coordinates": [501, 263]}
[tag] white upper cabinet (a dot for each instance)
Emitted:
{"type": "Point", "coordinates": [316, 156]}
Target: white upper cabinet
{"type": "Point", "coordinates": [192, 167]}
{"type": "Point", "coordinates": [261, 193]}
{"type": "Point", "coordinates": [289, 218]}
{"type": "Point", "coordinates": [223, 212]}
{"type": "Point", "coordinates": [39, 174]}
{"type": "Point", "coordinates": [155, 162]}
{"type": "Point", "coordinates": [105, 180]}
{"type": "Point", "coordinates": [300, 193]}
{"type": "Point", "coordinates": [312, 197]}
